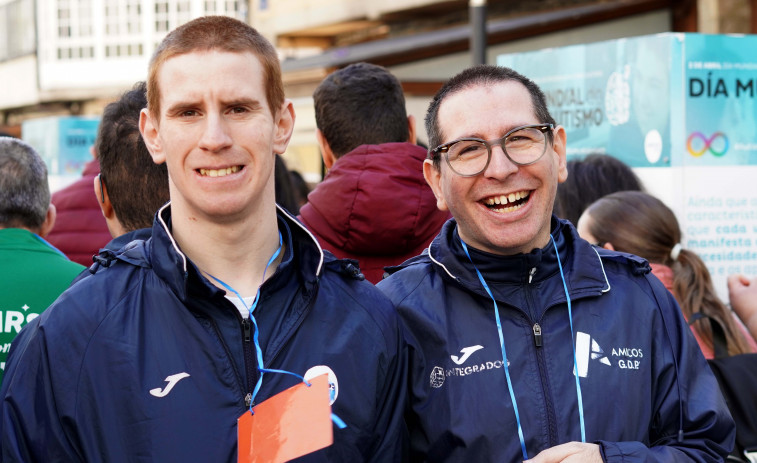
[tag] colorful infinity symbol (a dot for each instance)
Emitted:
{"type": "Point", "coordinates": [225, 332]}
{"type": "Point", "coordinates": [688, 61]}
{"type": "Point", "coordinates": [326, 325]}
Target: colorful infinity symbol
{"type": "Point", "coordinates": [707, 144]}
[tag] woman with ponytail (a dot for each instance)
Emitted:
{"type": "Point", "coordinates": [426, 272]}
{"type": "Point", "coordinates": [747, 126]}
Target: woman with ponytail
{"type": "Point", "coordinates": [638, 223]}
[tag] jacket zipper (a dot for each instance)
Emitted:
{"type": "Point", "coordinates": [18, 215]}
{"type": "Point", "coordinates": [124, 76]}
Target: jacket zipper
{"type": "Point", "coordinates": [249, 359]}
{"type": "Point", "coordinates": [542, 366]}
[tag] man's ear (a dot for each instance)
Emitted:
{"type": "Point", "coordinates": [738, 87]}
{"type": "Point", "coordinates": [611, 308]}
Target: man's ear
{"type": "Point", "coordinates": [103, 199]}
{"type": "Point", "coordinates": [284, 126]}
{"type": "Point", "coordinates": [326, 153]}
{"type": "Point", "coordinates": [559, 146]}
{"type": "Point", "coordinates": [49, 221]}
{"type": "Point", "coordinates": [148, 127]}
{"type": "Point", "coordinates": [411, 129]}
{"type": "Point", "coordinates": [433, 177]}
{"type": "Point", "coordinates": [101, 191]}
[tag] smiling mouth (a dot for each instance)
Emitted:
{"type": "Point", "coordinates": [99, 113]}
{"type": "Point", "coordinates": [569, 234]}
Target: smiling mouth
{"type": "Point", "coordinates": [219, 172]}
{"type": "Point", "coordinates": [507, 203]}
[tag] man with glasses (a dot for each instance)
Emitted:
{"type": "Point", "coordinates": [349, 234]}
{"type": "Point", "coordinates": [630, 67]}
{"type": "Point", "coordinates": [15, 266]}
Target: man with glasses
{"type": "Point", "coordinates": [525, 341]}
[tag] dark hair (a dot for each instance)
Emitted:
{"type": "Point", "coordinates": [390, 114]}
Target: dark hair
{"type": "Point", "coordinates": [286, 196]}
{"type": "Point", "coordinates": [300, 186]}
{"type": "Point", "coordinates": [588, 180]}
{"type": "Point", "coordinates": [137, 187]}
{"type": "Point", "coordinates": [480, 76]}
{"type": "Point", "coordinates": [362, 104]}
{"type": "Point", "coordinates": [638, 223]}
{"type": "Point", "coordinates": [217, 33]}
{"type": "Point", "coordinates": [24, 192]}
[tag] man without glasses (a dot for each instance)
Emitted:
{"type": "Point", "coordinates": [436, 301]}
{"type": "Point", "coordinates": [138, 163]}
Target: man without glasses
{"type": "Point", "coordinates": [526, 342]}
{"type": "Point", "coordinates": [156, 355]}
{"type": "Point", "coordinates": [374, 205]}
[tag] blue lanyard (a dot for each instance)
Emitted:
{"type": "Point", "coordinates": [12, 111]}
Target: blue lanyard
{"type": "Point", "coordinates": [572, 345]}
{"type": "Point", "coordinates": [504, 352]}
{"type": "Point", "coordinates": [256, 336]}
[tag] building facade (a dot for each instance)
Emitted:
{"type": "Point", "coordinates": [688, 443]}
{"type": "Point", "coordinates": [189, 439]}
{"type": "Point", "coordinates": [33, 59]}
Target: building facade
{"type": "Point", "coordinates": [71, 57]}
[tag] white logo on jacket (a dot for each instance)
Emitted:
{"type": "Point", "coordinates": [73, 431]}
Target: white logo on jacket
{"type": "Point", "coordinates": [171, 380]}
{"type": "Point", "coordinates": [588, 349]}
{"type": "Point", "coordinates": [467, 352]}
{"type": "Point", "coordinates": [440, 373]}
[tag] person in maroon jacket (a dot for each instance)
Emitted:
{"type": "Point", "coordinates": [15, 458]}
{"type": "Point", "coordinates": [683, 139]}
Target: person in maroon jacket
{"type": "Point", "coordinates": [80, 229]}
{"type": "Point", "coordinates": [374, 204]}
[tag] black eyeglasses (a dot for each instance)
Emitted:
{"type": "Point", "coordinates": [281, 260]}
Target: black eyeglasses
{"type": "Point", "coordinates": [523, 145]}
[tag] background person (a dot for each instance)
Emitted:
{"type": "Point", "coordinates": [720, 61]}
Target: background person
{"type": "Point", "coordinates": [589, 179]}
{"type": "Point", "coordinates": [640, 224]}
{"type": "Point", "coordinates": [301, 188]}
{"type": "Point", "coordinates": [80, 229]}
{"type": "Point", "coordinates": [742, 294]}
{"type": "Point", "coordinates": [130, 187]}
{"type": "Point", "coordinates": [287, 195]}
{"type": "Point", "coordinates": [373, 205]}
{"type": "Point", "coordinates": [33, 273]}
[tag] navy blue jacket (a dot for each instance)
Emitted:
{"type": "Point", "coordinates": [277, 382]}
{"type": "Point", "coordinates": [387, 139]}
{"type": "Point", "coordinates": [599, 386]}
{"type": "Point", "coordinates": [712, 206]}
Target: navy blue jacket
{"type": "Point", "coordinates": [642, 375]}
{"type": "Point", "coordinates": [80, 381]}
{"type": "Point", "coordinates": [107, 251]}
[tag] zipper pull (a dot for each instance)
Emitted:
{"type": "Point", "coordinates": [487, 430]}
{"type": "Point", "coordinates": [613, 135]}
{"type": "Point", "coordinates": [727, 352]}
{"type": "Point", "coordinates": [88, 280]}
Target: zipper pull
{"type": "Point", "coordinates": [537, 335]}
{"type": "Point", "coordinates": [531, 274]}
{"type": "Point", "coordinates": [248, 399]}
{"type": "Point", "coordinates": [247, 330]}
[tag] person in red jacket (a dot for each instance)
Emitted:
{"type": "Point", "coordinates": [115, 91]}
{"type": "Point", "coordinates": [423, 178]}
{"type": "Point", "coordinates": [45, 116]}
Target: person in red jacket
{"type": "Point", "coordinates": [374, 204]}
{"type": "Point", "coordinates": [80, 229]}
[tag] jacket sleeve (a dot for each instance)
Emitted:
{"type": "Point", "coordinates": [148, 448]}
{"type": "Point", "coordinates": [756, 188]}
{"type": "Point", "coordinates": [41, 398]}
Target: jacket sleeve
{"type": "Point", "coordinates": [692, 421]}
{"type": "Point", "coordinates": [390, 430]}
{"type": "Point", "coordinates": [30, 427]}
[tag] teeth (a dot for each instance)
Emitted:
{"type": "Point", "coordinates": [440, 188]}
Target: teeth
{"type": "Point", "coordinates": [505, 199]}
{"type": "Point", "coordinates": [219, 172]}
{"type": "Point", "coordinates": [508, 209]}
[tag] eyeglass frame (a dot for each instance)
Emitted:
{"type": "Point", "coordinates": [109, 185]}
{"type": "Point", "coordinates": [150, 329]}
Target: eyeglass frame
{"type": "Point", "coordinates": [547, 129]}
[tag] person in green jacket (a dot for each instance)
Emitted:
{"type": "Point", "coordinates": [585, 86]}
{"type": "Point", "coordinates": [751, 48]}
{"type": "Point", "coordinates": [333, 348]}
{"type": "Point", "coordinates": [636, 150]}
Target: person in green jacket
{"type": "Point", "coordinates": [32, 272]}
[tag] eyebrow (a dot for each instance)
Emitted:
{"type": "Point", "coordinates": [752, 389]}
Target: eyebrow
{"type": "Point", "coordinates": [188, 105]}
{"type": "Point", "coordinates": [253, 102]}
{"type": "Point", "coordinates": [509, 128]}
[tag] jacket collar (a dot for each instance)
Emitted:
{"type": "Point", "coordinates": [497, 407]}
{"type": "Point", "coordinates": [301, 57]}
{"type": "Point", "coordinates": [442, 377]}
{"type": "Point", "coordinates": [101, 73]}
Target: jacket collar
{"type": "Point", "coordinates": [302, 256]}
{"type": "Point", "coordinates": [581, 265]}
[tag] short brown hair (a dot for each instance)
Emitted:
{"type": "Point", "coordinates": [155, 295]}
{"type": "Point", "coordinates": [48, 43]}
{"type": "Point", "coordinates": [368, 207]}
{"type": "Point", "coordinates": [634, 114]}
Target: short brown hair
{"type": "Point", "coordinates": [216, 33]}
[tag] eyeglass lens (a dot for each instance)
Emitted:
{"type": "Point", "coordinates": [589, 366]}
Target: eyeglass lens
{"type": "Point", "coordinates": [524, 146]}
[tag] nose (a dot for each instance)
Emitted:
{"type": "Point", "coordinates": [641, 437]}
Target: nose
{"type": "Point", "coordinates": [500, 166]}
{"type": "Point", "coordinates": [215, 135]}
